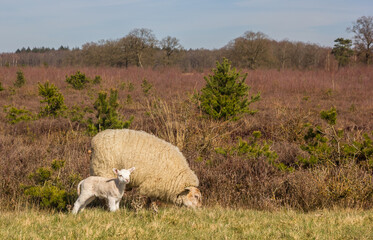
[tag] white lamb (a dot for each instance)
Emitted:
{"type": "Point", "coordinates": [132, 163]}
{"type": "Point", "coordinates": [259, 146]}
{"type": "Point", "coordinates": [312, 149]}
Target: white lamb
{"type": "Point", "coordinates": [110, 189]}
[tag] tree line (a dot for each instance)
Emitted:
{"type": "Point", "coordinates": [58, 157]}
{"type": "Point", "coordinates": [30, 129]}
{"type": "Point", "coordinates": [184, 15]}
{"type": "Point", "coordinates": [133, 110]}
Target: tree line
{"type": "Point", "coordinates": [252, 50]}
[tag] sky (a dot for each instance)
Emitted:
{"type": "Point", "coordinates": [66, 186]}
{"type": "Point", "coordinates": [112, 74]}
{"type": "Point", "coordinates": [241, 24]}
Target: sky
{"type": "Point", "coordinates": [196, 23]}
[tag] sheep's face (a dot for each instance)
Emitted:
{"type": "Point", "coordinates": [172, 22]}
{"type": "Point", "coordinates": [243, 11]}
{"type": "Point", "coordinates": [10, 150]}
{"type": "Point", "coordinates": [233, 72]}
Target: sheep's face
{"type": "Point", "coordinates": [191, 197]}
{"type": "Point", "coordinates": [124, 174]}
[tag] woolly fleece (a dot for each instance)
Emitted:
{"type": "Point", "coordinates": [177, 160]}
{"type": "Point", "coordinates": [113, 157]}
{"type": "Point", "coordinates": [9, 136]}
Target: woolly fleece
{"type": "Point", "coordinates": [161, 169]}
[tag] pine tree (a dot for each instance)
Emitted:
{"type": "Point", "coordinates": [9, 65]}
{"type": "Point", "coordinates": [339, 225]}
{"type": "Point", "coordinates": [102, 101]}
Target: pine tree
{"type": "Point", "coordinates": [78, 81]}
{"type": "Point", "coordinates": [20, 81]}
{"type": "Point", "coordinates": [225, 95]}
{"type": "Point", "coordinates": [53, 98]}
{"type": "Point", "coordinates": [342, 51]}
{"type": "Point", "coordinates": [107, 113]}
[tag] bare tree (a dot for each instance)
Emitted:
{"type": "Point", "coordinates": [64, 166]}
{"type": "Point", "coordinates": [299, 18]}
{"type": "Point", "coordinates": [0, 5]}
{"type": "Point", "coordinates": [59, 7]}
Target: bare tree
{"type": "Point", "coordinates": [363, 29]}
{"type": "Point", "coordinates": [252, 48]}
{"type": "Point", "coordinates": [282, 53]}
{"type": "Point", "coordinates": [170, 45]}
{"type": "Point", "coordinates": [139, 40]}
{"type": "Point", "coordinates": [126, 54]}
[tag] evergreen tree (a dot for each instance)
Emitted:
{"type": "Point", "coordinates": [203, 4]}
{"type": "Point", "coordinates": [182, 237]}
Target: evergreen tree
{"type": "Point", "coordinates": [225, 95]}
{"type": "Point", "coordinates": [20, 81]}
{"type": "Point", "coordinates": [78, 81]}
{"type": "Point", "coordinates": [53, 98]}
{"type": "Point", "coordinates": [342, 51]}
{"type": "Point", "coordinates": [107, 113]}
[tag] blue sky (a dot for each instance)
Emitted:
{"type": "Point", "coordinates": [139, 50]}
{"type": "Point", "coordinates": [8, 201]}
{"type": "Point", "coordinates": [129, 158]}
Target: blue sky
{"type": "Point", "coordinates": [196, 23]}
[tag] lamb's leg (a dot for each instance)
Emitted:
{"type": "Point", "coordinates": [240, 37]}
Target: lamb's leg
{"type": "Point", "coordinates": [88, 201]}
{"type": "Point", "coordinates": [112, 204]}
{"type": "Point", "coordinates": [82, 202]}
{"type": "Point", "coordinates": [117, 204]}
{"type": "Point", "coordinates": [76, 206]}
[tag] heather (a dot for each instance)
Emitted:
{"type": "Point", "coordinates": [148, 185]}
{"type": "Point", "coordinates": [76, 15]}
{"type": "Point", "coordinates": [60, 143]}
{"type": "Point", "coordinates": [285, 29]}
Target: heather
{"type": "Point", "coordinates": [308, 145]}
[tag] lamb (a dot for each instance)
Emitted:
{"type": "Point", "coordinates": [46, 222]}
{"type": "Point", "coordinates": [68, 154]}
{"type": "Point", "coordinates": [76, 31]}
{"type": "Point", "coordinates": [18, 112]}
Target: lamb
{"type": "Point", "coordinates": [111, 189]}
{"type": "Point", "coordinates": [163, 171]}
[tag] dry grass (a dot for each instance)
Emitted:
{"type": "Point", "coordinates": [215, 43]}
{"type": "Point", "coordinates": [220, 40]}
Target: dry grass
{"type": "Point", "coordinates": [289, 100]}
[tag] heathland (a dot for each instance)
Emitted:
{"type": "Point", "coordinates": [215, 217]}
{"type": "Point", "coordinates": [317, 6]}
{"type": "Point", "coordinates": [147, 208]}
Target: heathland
{"type": "Point", "coordinates": [307, 147]}
{"type": "Point", "coordinates": [161, 102]}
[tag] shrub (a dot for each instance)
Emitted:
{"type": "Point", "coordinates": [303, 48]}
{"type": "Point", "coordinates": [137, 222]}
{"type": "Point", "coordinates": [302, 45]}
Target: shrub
{"type": "Point", "coordinates": [107, 113]}
{"type": "Point", "coordinates": [15, 115]}
{"type": "Point", "coordinates": [12, 91]}
{"type": "Point", "coordinates": [328, 145]}
{"type": "Point", "coordinates": [77, 113]}
{"type": "Point", "coordinates": [122, 86]}
{"type": "Point", "coordinates": [360, 151]}
{"type": "Point", "coordinates": [54, 99]}
{"type": "Point", "coordinates": [47, 190]}
{"type": "Point", "coordinates": [225, 95]}
{"type": "Point", "coordinates": [129, 99]}
{"type": "Point", "coordinates": [78, 80]}
{"type": "Point", "coordinates": [131, 86]}
{"type": "Point", "coordinates": [1, 87]}
{"type": "Point", "coordinates": [322, 144]}
{"type": "Point", "coordinates": [255, 149]}
{"type": "Point", "coordinates": [329, 116]}
{"type": "Point", "coordinates": [146, 86]}
{"type": "Point", "coordinates": [20, 81]}
{"type": "Point", "coordinates": [97, 80]}
{"type": "Point", "coordinates": [48, 196]}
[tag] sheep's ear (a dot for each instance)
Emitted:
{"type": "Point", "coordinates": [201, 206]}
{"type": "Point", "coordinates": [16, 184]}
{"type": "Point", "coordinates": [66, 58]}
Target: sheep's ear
{"type": "Point", "coordinates": [188, 188]}
{"type": "Point", "coordinates": [131, 169]}
{"type": "Point", "coordinates": [115, 170]}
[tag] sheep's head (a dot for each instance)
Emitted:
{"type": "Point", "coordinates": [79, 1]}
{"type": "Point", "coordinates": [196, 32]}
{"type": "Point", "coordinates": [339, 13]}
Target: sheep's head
{"type": "Point", "coordinates": [124, 174]}
{"type": "Point", "coordinates": [190, 197]}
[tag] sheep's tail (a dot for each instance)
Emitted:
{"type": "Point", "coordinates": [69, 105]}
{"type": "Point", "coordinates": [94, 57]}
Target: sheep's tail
{"type": "Point", "coordinates": [78, 188]}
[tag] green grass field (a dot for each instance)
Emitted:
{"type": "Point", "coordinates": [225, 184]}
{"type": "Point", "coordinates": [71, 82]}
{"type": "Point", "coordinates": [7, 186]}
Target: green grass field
{"type": "Point", "coordinates": [181, 223]}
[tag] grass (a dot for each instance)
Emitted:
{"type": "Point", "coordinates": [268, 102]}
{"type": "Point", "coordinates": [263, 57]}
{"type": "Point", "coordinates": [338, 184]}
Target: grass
{"type": "Point", "coordinates": [176, 223]}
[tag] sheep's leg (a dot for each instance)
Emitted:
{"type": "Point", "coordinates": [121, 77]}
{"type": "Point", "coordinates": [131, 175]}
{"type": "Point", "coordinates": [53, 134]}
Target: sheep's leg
{"type": "Point", "coordinates": [82, 202]}
{"type": "Point", "coordinates": [112, 204]}
{"type": "Point", "coordinates": [151, 203]}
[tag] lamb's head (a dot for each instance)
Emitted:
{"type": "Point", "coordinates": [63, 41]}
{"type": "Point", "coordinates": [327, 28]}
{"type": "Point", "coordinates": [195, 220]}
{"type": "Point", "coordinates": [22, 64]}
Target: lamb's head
{"type": "Point", "coordinates": [190, 197]}
{"type": "Point", "coordinates": [124, 174]}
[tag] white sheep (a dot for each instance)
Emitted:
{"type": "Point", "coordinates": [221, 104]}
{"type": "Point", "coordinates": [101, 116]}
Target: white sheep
{"type": "Point", "coordinates": [110, 189]}
{"type": "Point", "coordinates": [163, 171]}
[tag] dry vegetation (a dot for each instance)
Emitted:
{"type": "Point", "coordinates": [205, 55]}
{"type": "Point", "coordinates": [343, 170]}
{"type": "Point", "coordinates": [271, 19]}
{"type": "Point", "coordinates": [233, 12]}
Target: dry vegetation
{"type": "Point", "coordinates": [289, 100]}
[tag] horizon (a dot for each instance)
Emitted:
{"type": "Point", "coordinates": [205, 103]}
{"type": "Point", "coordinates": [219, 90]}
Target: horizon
{"type": "Point", "coordinates": [197, 25]}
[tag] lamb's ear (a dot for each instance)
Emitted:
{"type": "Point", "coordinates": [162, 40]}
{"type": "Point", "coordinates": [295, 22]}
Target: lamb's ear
{"type": "Point", "coordinates": [131, 169]}
{"type": "Point", "coordinates": [115, 171]}
{"type": "Point", "coordinates": [188, 188]}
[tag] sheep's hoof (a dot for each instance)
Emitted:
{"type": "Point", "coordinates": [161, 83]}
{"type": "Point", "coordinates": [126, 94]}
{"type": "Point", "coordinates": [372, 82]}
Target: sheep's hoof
{"type": "Point", "coordinates": [154, 207]}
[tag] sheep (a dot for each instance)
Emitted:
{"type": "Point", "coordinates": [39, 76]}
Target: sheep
{"type": "Point", "coordinates": [110, 189]}
{"type": "Point", "coordinates": [163, 171]}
